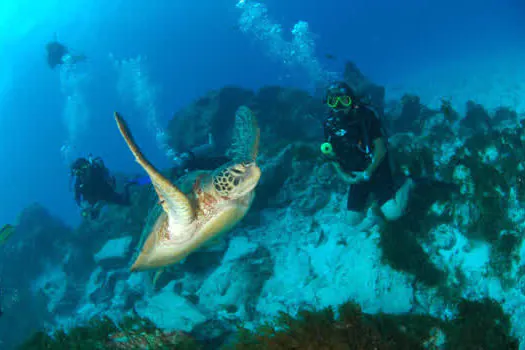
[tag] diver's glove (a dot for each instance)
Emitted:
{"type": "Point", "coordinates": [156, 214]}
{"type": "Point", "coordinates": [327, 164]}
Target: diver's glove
{"type": "Point", "coordinates": [358, 176]}
{"type": "Point", "coordinates": [90, 212]}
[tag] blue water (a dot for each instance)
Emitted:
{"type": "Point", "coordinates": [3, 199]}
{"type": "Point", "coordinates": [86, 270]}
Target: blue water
{"type": "Point", "coordinates": [195, 46]}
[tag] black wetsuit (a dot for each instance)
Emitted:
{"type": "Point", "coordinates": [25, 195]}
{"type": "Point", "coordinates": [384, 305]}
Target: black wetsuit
{"type": "Point", "coordinates": [205, 163]}
{"type": "Point", "coordinates": [55, 54]}
{"type": "Point", "coordinates": [352, 136]}
{"type": "Point", "coordinates": [95, 184]}
{"type": "Point", "coordinates": [200, 163]}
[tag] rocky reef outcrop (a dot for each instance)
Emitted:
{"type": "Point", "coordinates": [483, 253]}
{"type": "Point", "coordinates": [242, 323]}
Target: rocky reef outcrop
{"type": "Point", "coordinates": [458, 248]}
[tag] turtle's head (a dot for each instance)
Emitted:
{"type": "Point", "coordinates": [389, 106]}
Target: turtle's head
{"type": "Point", "coordinates": [235, 181]}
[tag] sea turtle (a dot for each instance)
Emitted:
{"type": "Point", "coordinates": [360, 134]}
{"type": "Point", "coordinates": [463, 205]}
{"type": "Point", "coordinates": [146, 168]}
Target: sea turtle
{"type": "Point", "coordinates": [216, 203]}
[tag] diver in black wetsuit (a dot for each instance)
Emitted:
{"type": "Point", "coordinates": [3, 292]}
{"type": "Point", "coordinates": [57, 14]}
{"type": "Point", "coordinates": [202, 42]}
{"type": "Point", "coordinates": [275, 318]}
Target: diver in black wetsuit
{"type": "Point", "coordinates": [356, 145]}
{"type": "Point", "coordinates": [58, 54]}
{"type": "Point", "coordinates": [203, 157]}
{"type": "Point", "coordinates": [94, 186]}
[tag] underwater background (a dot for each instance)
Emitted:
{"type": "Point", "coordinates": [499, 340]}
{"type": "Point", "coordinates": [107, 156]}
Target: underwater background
{"type": "Point", "coordinates": [166, 65]}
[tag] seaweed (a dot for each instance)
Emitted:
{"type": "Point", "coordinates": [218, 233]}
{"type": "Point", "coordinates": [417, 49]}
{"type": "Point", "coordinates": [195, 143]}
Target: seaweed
{"type": "Point", "coordinates": [402, 251]}
{"type": "Point", "coordinates": [132, 332]}
{"type": "Point", "coordinates": [313, 330]}
{"type": "Point", "coordinates": [479, 325]}
{"type": "Point", "coordinates": [491, 187]}
{"type": "Point", "coordinates": [448, 111]}
{"type": "Point", "coordinates": [493, 183]}
{"type": "Point", "coordinates": [399, 240]}
{"type": "Point", "coordinates": [504, 254]}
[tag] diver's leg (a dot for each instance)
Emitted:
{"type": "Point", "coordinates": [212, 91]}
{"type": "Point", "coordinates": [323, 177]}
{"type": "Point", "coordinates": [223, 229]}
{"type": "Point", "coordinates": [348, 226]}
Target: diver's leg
{"type": "Point", "coordinates": [356, 203]}
{"type": "Point", "coordinates": [395, 207]}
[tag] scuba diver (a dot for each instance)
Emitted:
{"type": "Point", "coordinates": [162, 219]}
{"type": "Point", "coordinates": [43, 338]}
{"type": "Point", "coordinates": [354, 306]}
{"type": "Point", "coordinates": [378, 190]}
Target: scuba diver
{"type": "Point", "coordinates": [58, 54]}
{"type": "Point", "coordinates": [355, 143]}
{"type": "Point", "coordinates": [203, 157]}
{"type": "Point", "coordinates": [94, 186]}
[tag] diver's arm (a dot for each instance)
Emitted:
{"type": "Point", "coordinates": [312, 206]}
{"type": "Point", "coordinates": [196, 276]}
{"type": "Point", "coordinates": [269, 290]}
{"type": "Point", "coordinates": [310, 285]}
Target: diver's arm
{"type": "Point", "coordinates": [342, 174]}
{"type": "Point", "coordinates": [204, 150]}
{"type": "Point", "coordinates": [185, 160]}
{"type": "Point", "coordinates": [328, 132]}
{"type": "Point", "coordinates": [97, 160]}
{"type": "Point", "coordinates": [377, 156]}
{"type": "Point", "coordinates": [78, 195]}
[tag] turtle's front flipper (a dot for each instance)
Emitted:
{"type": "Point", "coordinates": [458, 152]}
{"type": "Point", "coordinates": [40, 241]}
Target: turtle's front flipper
{"type": "Point", "coordinates": [246, 134]}
{"type": "Point", "coordinates": [173, 201]}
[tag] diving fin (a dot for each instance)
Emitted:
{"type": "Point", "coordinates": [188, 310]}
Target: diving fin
{"type": "Point", "coordinates": [5, 232]}
{"type": "Point", "coordinates": [141, 180]}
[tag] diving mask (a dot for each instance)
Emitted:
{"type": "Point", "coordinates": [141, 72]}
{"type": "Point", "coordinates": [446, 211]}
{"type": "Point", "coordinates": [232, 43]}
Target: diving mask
{"type": "Point", "coordinates": [344, 101]}
{"type": "Point", "coordinates": [79, 170]}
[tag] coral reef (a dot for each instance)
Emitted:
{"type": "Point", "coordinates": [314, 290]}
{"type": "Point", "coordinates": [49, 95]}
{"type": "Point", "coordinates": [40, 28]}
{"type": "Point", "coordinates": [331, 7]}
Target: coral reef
{"type": "Point", "coordinates": [371, 92]}
{"type": "Point", "coordinates": [459, 245]}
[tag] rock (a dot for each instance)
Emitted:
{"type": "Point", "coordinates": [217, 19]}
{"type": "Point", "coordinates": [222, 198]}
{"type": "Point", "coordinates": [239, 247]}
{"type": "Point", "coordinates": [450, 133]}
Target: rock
{"type": "Point", "coordinates": [40, 239]}
{"type": "Point", "coordinates": [314, 199]}
{"type": "Point", "coordinates": [170, 311]}
{"type": "Point", "coordinates": [213, 113]}
{"type": "Point", "coordinates": [316, 271]}
{"type": "Point", "coordinates": [95, 282]}
{"type": "Point", "coordinates": [238, 248]}
{"type": "Point", "coordinates": [53, 283]}
{"type": "Point", "coordinates": [522, 254]}
{"type": "Point", "coordinates": [114, 252]}
{"type": "Point", "coordinates": [233, 288]}
{"type": "Point", "coordinates": [476, 118]}
{"type": "Point", "coordinates": [213, 332]}
{"type": "Point", "coordinates": [286, 119]}
{"type": "Point", "coordinates": [276, 171]}
{"type": "Point", "coordinates": [374, 93]}
{"type": "Point", "coordinates": [300, 252]}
